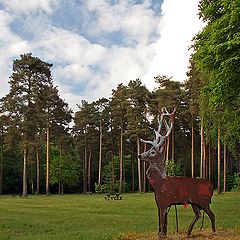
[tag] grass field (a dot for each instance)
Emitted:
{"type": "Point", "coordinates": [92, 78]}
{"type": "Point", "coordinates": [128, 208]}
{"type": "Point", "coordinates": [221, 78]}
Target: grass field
{"type": "Point", "coordinates": [92, 217]}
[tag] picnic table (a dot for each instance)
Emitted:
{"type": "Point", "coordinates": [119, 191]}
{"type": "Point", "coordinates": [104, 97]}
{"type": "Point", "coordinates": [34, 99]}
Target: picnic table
{"type": "Point", "coordinates": [116, 196]}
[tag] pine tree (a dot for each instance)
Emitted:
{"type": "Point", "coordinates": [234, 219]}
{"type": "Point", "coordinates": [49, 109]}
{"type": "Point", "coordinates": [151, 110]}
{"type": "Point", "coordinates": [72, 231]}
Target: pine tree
{"type": "Point", "coordinates": [32, 104]}
{"type": "Point", "coordinates": [137, 120]}
{"type": "Point", "coordinates": [119, 105]}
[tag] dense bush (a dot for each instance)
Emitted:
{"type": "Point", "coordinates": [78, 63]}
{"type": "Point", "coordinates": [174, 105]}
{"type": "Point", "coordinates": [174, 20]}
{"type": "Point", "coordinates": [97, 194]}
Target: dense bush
{"type": "Point", "coordinates": [174, 168]}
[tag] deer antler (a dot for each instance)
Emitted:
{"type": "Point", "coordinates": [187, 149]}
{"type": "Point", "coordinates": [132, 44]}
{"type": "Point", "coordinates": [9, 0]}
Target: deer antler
{"type": "Point", "coordinates": [159, 139]}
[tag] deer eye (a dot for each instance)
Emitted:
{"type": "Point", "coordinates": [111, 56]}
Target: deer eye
{"type": "Point", "coordinates": [152, 153]}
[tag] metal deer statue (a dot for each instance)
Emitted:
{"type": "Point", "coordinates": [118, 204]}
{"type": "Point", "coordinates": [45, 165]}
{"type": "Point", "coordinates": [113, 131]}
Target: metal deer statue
{"type": "Point", "coordinates": [174, 190]}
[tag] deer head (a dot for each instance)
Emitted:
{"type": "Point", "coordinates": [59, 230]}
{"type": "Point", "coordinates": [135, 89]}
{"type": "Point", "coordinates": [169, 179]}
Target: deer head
{"type": "Point", "coordinates": [155, 155]}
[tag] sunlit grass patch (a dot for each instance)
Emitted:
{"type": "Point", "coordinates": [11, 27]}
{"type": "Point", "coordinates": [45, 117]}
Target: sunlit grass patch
{"type": "Point", "coordinates": [84, 217]}
{"type": "Point", "coordinates": [220, 234]}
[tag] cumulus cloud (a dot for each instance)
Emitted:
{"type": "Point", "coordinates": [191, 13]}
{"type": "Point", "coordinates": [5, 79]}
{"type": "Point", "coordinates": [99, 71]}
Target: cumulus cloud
{"type": "Point", "coordinates": [137, 22]}
{"type": "Point", "coordinates": [93, 68]}
{"type": "Point", "coordinates": [84, 66]}
{"type": "Point", "coordinates": [11, 46]}
{"type": "Point", "coordinates": [178, 25]}
{"type": "Point", "coordinates": [63, 45]}
{"type": "Point", "coordinates": [26, 6]}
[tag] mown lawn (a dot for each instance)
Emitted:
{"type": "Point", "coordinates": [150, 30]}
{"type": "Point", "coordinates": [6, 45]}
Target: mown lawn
{"type": "Point", "coordinates": [92, 217]}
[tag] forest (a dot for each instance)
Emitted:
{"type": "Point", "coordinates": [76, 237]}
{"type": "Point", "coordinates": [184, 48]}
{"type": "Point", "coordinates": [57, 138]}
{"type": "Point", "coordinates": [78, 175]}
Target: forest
{"type": "Point", "coordinates": [46, 148]}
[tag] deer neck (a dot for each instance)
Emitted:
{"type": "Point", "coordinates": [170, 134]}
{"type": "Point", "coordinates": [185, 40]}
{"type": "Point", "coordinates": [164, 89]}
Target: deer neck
{"type": "Point", "coordinates": [156, 170]}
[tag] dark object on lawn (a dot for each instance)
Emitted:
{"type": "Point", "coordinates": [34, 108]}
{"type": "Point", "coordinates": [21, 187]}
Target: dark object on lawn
{"type": "Point", "coordinates": [174, 190]}
{"type": "Point", "coordinates": [88, 193]}
{"type": "Point", "coordinates": [113, 197]}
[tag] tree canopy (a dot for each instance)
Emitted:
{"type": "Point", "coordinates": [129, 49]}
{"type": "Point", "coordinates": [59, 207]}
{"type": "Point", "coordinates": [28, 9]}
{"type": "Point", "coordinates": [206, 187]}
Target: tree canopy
{"type": "Point", "coordinates": [99, 148]}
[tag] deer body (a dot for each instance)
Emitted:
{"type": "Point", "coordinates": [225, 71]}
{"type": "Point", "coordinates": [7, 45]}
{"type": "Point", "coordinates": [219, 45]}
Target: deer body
{"type": "Point", "coordinates": [174, 190]}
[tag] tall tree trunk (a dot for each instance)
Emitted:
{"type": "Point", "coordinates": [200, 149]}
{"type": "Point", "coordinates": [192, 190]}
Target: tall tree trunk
{"type": "Point", "coordinates": [1, 170]}
{"type": "Point", "coordinates": [219, 161]}
{"type": "Point", "coordinates": [47, 162]}
{"type": "Point", "coordinates": [132, 165]}
{"type": "Point", "coordinates": [37, 170]}
{"type": "Point", "coordinates": [224, 168]}
{"type": "Point", "coordinates": [85, 167]}
{"type": "Point", "coordinates": [209, 164]}
{"type": "Point", "coordinates": [124, 176]}
{"type": "Point", "coordinates": [89, 170]}
{"type": "Point", "coordinates": [144, 177]}
{"type": "Point", "coordinates": [25, 171]}
{"type": "Point", "coordinates": [1, 162]}
{"type": "Point", "coordinates": [204, 159]}
{"type": "Point", "coordinates": [213, 166]}
{"type": "Point", "coordinates": [59, 187]}
{"type": "Point", "coordinates": [32, 186]}
{"type": "Point", "coordinates": [60, 170]}
{"type": "Point", "coordinates": [100, 155]}
{"type": "Point", "coordinates": [144, 170]}
{"type": "Point", "coordinates": [192, 160]}
{"type": "Point", "coordinates": [167, 150]}
{"type": "Point", "coordinates": [202, 149]}
{"type": "Point", "coordinates": [173, 144]}
{"type": "Point", "coordinates": [238, 157]}
{"type": "Point", "coordinates": [121, 160]}
{"type": "Point", "coordinates": [238, 160]}
{"type": "Point", "coordinates": [112, 175]}
{"type": "Point", "coordinates": [139, 167]}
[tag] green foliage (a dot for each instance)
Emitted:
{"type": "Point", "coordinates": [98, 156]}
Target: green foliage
{"type": "Point", "coordinates": [99, 189]}
{"type": "Point", "coordinates": [12, 171]}
{"type": "Point", "coordinates": [217, 51]}
{"type": "Point", "coordinates": [33, 103]}
{"type": "Point", "coordinates": [105, 187]}
{"type": "Point", "coordinates": [217, 61]}
{"type": "Point", "coordinates": [136, 112]}
{"type": "Point", "coordinates": [63, 170]}
{"type": "Point", "coordinates": [174, 168]}
{"type": "Point", "coordinates": [193, 87]}
{"type": "Point", "coordinates": [236, 181]}
{"type": "Point", "coordinates": [169, 94]}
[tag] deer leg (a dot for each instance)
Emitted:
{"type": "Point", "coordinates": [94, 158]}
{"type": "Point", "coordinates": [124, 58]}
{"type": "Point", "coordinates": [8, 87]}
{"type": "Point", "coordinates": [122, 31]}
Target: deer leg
{"type": "Point", "coordinates": [211, 215]}
{"type": "Point", "coordinates": [197, 212]}
{"type": "Point", "coordinates": [163, 218]}
{"type": "Point", "coordinates": [165, 223]}
{"type": "Point", "coordinates": [159, 222]}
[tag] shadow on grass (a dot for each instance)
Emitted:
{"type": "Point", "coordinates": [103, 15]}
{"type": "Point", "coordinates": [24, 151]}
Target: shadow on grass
{"type": "Point", "coordinates": [232, 234]}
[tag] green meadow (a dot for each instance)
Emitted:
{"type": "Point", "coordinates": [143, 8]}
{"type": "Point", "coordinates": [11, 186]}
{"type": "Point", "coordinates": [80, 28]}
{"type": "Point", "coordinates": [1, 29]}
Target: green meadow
{"type": "Point", "coordinates": [89, 217]}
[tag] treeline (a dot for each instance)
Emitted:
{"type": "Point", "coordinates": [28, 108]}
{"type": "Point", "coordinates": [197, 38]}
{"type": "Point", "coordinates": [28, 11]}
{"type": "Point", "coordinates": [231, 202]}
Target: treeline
{"type": "Point", "coordinates": [46, 148]}
{"type": "Point", "coordinates": [39, 149]}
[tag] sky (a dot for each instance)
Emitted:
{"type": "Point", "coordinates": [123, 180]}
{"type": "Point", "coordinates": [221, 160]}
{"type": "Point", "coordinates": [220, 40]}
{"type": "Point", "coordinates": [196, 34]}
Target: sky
{"type": "Point", "coordinates": [94, 45]}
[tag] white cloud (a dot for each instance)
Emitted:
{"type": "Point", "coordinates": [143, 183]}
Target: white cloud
{"type": "Point", "coordinates": [71, 98]}
{"type": "Point", "coordinates": [62, 45]}
{"type": "Point", "coordinates": [11, 46]}
{"type": "Point", "coordinates": [136, 22]}
{"type": "Point", "coordinates": [178, 26]}
{"type": "Point", "coordinates": [86, 70]}
{"type": "Point", "coordinates": [26, 6]}
{"type": "Point", "coordinates": [96, 68]}
{"type": "Point", "coordinates": [73, 72]}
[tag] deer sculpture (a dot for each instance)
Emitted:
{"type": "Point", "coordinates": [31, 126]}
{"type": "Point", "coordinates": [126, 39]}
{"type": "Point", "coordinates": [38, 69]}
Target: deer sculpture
{"type": "Point", "coordinates": [174, 190]}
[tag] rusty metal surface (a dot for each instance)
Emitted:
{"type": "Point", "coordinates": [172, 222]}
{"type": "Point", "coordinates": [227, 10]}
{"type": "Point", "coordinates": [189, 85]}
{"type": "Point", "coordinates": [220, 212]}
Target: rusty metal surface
{"type": "Point", "coordinates": [179, 190]}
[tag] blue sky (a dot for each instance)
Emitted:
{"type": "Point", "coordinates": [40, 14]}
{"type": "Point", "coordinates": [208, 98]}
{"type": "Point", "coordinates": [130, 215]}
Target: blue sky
{"type": "Point", "coordinates": [96, 44]}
